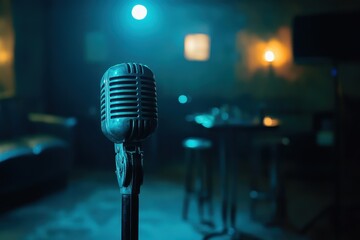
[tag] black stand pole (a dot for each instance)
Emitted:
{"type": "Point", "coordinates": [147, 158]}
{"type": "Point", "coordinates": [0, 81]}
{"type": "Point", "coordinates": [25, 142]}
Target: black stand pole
{"type": "Point", "coordinates": [129, 171]}
{"type": "Point", "coordinates": [130, 216]}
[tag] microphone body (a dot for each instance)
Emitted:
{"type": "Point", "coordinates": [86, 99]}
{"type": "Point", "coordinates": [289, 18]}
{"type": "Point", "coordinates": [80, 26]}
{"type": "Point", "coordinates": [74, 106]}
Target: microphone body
{"type": "Point", "coordinates": [128, 103]}
{"type": "Point", "coordinates": [129, 114]}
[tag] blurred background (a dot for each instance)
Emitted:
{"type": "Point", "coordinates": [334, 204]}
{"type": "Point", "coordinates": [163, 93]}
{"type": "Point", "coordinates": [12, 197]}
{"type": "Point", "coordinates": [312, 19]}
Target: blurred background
{"type": "Point", "coordinates": [293, 63]}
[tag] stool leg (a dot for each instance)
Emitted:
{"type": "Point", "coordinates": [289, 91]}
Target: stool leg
{"type": "Point", "coordinates": [277, 188]}
{"type": "Point", "coordinates": [255, 175]}
{"type": "Point", "coordinates": [207, 192]}
{"type": "Point", "coordinates": [188, 183]}
{"type": "Point", "coordinates": [200, 185]}
{"type": "Point", "coordinates": [209, 183]}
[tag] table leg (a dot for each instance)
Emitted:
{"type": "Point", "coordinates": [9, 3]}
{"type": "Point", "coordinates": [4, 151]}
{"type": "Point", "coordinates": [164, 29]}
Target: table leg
{"type": "Point", "coordinates": [233, 171]}
{"type": "Point", "coordinates": [277, 189]}
{"type": "Point", "coordinates": [224, 188]}
{"type": "Point", "coordinates": [229, 181]}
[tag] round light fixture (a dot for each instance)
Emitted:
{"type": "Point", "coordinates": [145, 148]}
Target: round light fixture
{"type": "Point", "coordinates": [139, 12]}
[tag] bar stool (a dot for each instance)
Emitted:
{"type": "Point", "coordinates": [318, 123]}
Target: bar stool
{"type": "Point", "coordinates": [275, 193]}
{"type": "Point", "coordinates": [198, 178]}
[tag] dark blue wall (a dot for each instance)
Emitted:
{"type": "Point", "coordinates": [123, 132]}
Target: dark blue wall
{"type": "Point", "coordinates": [58, 68]}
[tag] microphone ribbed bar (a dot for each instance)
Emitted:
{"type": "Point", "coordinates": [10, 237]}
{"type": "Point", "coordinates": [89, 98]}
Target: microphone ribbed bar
{"type": "Point", "coordinates": [138, 128]}
{"type": "Point", "coordinates": [148, 97]}
{"type": "Point", "coordinates": [102, 102]}
{"type": "Point", "coordinates": [147, 89]}
{"type": "Point", "coordinates": [122, 104]}
{"type": "Point", "coordinates": [135, 68]}
{"type": "Point", "coordinates": [123, 98]}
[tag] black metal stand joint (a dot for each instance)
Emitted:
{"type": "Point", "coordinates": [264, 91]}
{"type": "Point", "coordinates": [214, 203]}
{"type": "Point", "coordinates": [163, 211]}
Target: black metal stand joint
{"type": "Point", "coordinates": [129, 172]}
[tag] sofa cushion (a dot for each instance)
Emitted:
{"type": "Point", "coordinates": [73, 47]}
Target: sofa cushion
{"type": "Point", "coordinates": [41, 142]}
{"type": "Point", "coordinates": [16, 160]}
{"type": "Point", "coordinates": [13, 149]}
{"type": "Point", "coordinates": [53, 154]}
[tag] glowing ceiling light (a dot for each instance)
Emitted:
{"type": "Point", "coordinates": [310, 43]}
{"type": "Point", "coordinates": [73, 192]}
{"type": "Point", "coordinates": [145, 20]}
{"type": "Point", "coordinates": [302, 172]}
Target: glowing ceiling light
{"type": "Point", "coordinates": [139, 12]}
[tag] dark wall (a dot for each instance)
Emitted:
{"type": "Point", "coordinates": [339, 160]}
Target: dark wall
{"type": "Point", "coordinates": [76, 69]}
{"type": "Point", "coordinates": [30, 54]}
{"type": "Point", "coordinates": [157, 42]}
{"type": "Point", "coordinates": [64, 47]}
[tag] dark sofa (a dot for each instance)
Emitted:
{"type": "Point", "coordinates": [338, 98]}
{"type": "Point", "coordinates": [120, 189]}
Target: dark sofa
{"type": "Point", "coordinates": [36, 153]}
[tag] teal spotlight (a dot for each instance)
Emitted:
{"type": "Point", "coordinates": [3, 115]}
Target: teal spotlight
{"type": "Point", "coordinates": [183, 99]}
{"type": "Point", "coordinates": [139, 12]}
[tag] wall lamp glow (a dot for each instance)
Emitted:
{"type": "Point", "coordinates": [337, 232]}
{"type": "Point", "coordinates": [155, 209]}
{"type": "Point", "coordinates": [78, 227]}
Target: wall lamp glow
{"type": "Point", "coordinates": [139, 12]}
{"type": "Point", "coordinates": [5, 56]}
{"type": "Point", "coordinates": [269, 56]}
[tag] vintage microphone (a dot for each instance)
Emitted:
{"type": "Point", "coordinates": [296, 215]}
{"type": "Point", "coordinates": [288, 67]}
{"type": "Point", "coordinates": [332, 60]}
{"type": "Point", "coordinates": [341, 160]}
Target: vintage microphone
{"type": "Point", "coordinates": [128, 109]}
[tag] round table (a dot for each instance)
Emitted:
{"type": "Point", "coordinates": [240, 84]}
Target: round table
{"type": "Point", "coordinates": [228, 132]}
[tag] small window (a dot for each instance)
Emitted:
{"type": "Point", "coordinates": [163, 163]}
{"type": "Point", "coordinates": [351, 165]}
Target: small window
{"type": "Point", "coordinates": [197, 47]}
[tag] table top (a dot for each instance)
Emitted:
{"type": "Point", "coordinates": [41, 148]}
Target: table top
{"type": "Point", "coordinates": [212, 122]}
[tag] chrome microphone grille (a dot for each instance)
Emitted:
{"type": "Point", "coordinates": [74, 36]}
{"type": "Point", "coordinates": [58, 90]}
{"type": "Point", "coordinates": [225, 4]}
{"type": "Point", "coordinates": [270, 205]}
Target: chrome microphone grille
{"type": "Point", "coordinates": [128, 102]}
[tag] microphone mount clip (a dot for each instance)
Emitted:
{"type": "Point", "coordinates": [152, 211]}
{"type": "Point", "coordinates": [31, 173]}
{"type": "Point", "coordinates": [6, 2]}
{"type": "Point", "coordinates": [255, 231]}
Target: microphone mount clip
{"type": "Point", "coordinates": [129, 167]}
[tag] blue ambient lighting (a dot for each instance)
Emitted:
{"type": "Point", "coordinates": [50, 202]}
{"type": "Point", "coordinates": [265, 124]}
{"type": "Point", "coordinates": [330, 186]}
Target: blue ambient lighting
{"type": "Point", "coordinates": [183, 99]}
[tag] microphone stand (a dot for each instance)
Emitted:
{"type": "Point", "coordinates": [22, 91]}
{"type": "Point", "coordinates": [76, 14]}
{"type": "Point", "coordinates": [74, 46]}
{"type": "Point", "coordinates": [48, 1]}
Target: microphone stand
{"type": "Point", "coordinates": [129, 172]}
